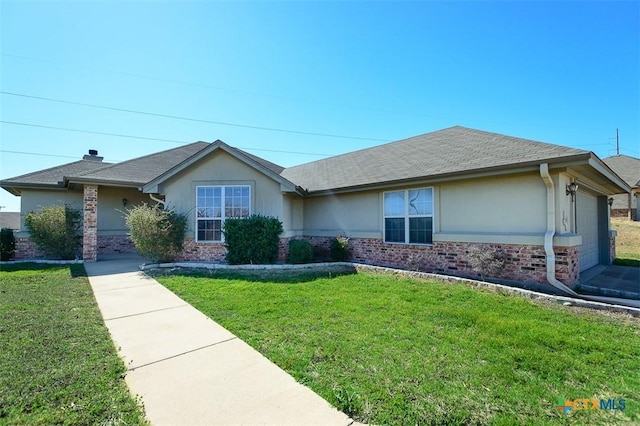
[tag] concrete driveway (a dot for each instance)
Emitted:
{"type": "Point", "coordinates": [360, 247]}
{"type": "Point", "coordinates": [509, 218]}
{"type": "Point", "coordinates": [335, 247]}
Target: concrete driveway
{"type": "Point", "coordinates": [612, 281]}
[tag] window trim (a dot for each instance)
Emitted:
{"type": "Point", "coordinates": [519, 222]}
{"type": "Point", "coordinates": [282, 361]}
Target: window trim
{"type": "Point", "coordinates": [222, 217]}
{"type": "Point", "coordinates": [406, 216]}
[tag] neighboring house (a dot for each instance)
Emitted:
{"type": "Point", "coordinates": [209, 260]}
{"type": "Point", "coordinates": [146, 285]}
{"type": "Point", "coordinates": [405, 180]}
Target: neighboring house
{"type": "Point", "coordinates": [421, 202]}
{"type": "Point", "coordinates": [628, 168]}
{"type": "Point", "coordinates": [10, 220]}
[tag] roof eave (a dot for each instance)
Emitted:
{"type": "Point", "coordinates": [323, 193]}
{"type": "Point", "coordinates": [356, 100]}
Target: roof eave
{"type": "Point", "coordinates": [16, 188]}
{"type": "Point", "coordinates": [559, 162]}
{"type": "Point", "coordinates": [606, 171]}
{"type": "Point", "coordinates": [103, 182]}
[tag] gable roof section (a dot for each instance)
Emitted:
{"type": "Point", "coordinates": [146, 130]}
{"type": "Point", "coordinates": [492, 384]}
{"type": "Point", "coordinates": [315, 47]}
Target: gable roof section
{"type": "Point", "coordinates": [268, 168]}
{"type": "Point", "coordinates": [138, 171]}
{"type": "Point", "coordinates": [628, 168]}
{"type": "Point", "coordinates": [456, 150]}
{"type": "Point", "coordinates": [52, 178]}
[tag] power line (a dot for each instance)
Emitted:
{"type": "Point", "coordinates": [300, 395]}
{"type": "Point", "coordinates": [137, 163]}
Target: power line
{"type": "Point", "coordinates": [226, 89]}
{"type": "Point", "coordinates": [37, 153]}
{"type": "Point", "coordinates": [92, 132]}
{"type": "Point", "coordinates": [175, 117]}
{"type": "Point", "coordinates": [66, 129]}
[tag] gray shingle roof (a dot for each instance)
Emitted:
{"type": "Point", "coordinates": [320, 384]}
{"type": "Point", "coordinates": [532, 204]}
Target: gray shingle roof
{"type": "Point", "coordinates": [142, 169]}
{"type": "Point", "coordinates": [55, 175]}
{"type": "Point", "coordinates": [10, 220]}
{"type": "Point", "coordinates": [628, 168]}
{"type": "Point", "coordinates": [268, 164]}
{"type": "Point", "coordinates": [453, 150]}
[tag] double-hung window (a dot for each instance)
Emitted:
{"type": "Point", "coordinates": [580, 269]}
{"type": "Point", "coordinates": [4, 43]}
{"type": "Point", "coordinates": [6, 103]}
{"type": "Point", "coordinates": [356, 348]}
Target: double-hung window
{"type": "Point", "coordinates": [215, 204]}
{"type": "Point", "coordinates": [408, 216]}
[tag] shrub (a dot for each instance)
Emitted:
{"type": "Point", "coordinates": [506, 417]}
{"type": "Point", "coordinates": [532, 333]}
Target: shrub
{"type": "Point", "coordinates": [339, 248]}
{"type": "Point", "coordinates": [253, 240]}
{"type": "Point", "coordinates": [300, 251]}
{"type": "Point", "coordinates": [486, 261]}
{"type": "Point", "coordinates": [157, 234]}
{"type": "Point", "coordinates": [7, 244]}
{"type": "Point", "coordinates": [55, 230]}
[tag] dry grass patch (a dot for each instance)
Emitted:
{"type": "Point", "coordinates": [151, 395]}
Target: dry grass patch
{"type": "Point", "coordinates": [627, 242]}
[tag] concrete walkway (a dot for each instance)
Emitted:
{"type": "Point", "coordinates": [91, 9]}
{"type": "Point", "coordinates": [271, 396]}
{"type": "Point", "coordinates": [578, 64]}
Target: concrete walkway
{"type": "Point", "coordinates": [187, 369]}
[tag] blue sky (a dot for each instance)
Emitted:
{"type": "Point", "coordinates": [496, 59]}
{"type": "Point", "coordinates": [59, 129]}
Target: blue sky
{"type": "Point", "coordinates": [559, 72]}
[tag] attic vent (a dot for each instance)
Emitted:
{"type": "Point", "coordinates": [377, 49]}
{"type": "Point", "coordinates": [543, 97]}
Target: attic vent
{"type": "Point", "coordinates": [93, 156]}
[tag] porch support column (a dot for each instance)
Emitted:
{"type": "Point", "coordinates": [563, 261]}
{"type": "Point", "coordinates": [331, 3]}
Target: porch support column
{"type": "Point", "coordinates": [90, 224]}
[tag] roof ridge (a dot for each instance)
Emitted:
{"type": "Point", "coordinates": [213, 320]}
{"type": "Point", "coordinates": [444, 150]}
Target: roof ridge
{"type": "Point", "coordinates": [622, 155]}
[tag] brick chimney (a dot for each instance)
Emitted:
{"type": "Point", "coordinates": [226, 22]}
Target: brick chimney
{"type": "Point", "coordinates": [92, 156]}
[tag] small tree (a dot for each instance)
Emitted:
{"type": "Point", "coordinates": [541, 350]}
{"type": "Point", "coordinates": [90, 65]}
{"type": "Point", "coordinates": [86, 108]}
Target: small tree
{"type": "Point", "coordinates": [55, 230]}
{"type": "Point", "coordinates": [339, 248]}
{"type": "Point", "coordinates": [157, 234]}
{"type": "Point", "coordinates": [253, 240]}
{"type": "Point", "coordinates": [7, 244]}
{"type": "Point", "coordinates": [486, 261]}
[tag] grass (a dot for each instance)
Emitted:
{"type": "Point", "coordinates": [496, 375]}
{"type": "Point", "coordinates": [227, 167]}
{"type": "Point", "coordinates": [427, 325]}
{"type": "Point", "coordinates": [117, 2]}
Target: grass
{"type": "Point", "coordinates": [397, 351]}
{"type": "Point", "coordinates": [627, 242]}
{"type": "Point", "coordinates": [58, 364]}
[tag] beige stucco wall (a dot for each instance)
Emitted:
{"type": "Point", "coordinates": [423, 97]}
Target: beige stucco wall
{"type": "Point", "coordinates": [111, 209]}
{"type": "Point", "coordinates": [32, 200]}
{"type": "Point", "coordinates": [357, 215]}
{"type": "Point", "coordinates": [509, 209]}
{"type": "Point", "coordinates": [495, 205]}
{"type": "Point", "coordinates": [223, 169]}
{"type": "Point", "coordinates": [110, 216]}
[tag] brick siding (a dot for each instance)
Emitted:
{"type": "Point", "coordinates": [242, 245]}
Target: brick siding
{"type": "Point", "coordinates": [90, 224]}
{"type": "Point", "coordinates": [524, 263]}
{"type": "Point", "coordinates": [109, 244]}
{"type": "Point", "coordinates": [624, 213]}
{"type": "Point", "coordinates": [26, 249]}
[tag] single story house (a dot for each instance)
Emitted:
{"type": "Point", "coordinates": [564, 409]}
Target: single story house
{"type": "Point", "coordinates": [422, 202]}
{"type": "Point", "coordinates": [628, 168]}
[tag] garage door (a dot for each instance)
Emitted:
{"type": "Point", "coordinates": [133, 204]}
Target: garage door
{"type": "Point", "coordinates": [587, 206]}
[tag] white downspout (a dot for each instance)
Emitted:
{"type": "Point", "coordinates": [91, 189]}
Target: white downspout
{"type": "Point", "coordinates": [157, 200]}
{"type": "Point", "coordinates": [551, 231]}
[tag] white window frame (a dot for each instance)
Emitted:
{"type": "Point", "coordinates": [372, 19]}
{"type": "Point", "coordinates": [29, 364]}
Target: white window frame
{"type": "Point", "coordinates": [407, 216]}
{"type": "Point", "coordinates": [223, 216]}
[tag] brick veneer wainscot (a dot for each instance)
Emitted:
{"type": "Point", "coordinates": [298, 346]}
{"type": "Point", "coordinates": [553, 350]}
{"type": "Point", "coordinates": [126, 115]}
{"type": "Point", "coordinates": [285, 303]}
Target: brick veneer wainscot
{"type": "Point", "coordinates": [525, 263]}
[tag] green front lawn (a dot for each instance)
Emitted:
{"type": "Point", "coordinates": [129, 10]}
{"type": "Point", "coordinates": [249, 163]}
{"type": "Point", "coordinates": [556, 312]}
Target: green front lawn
{"type": "Point", "coordinates": [58, 364]}
{"type": "Point", "coordinates": [389, 350]}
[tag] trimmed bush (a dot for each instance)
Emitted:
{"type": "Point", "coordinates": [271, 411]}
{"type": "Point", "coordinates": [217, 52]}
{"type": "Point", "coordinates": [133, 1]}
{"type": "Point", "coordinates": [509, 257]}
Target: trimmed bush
{"type": "Point", "coordinates": [7, 244]}
{"type": "Point", "coordinates": [253, 240]}
{"type": "Point", "coordinates": [157, 234]}
{"type": "Point", "coordinates": [339, 248]}
{"type": "Point", "coordinates": [55, 230]}
{"type": "Point", "coordinates": [300, 251]}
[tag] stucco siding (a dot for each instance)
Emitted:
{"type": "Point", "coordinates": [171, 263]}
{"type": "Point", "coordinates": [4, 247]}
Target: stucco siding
{"type": "Point", "coordinates": [513, 204]}
{"type": "Point", "coordinates": [357, 215]}
{"type": "Point", "coordinates": [32, 200]}
{"type": "Point", "coordinates": [292, 216]}
{"type": "Point", "coordinates": [223, 169]}
{"type": "Point", "coordinates": [111, 208]}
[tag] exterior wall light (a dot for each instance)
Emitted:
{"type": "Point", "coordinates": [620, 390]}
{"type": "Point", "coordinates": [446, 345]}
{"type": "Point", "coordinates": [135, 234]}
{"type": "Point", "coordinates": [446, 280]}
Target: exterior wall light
{"type": "Point", "coordinates": [610, 201]}
{"type": "Point", "coordinates": [124, 202]}
{"type": "Point", "coordinates": [572, 188]}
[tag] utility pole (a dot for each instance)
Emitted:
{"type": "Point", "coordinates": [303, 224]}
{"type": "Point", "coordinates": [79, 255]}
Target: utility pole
{"type": "Point", "coordinates": [617, 143]}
